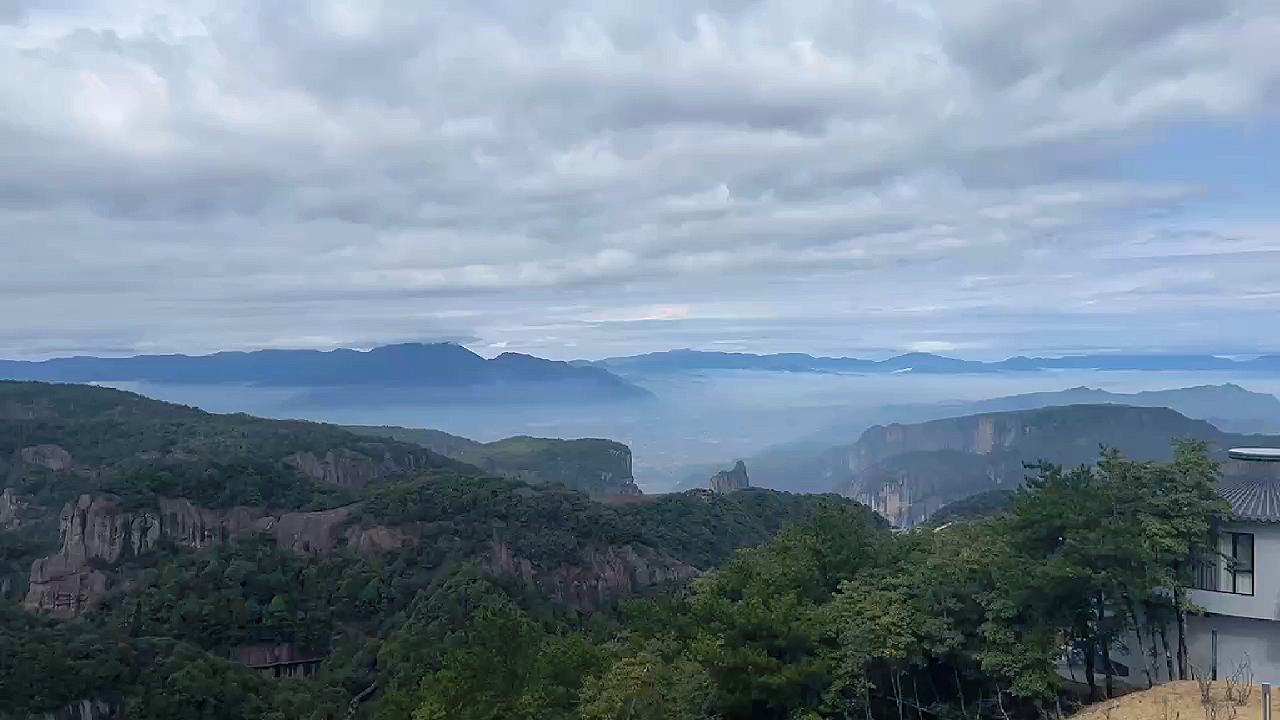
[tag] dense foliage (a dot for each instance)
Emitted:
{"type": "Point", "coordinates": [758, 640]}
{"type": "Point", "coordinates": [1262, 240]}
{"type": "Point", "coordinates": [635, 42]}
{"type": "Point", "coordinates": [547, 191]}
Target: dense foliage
{"type": "Point", "coordinates": [811, 607]}
{"type": "Point", "coordinates": [838, 618]}
{"type": "Point", "coordinates": [594, 466]}
{"type": "Point", "coordinates": [138, 448]}
{"type": "Point", "coordinates": [553, 523]}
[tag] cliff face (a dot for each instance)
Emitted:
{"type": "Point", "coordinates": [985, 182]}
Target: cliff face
{"type": "Point", "coordinates": [601, 468]}
{"type": "Point", "coordinates": [726, 481]}
{"type": "Point", "coordinates": [10, 509]}
{"type": "Point", "coordinates": [52, 457]}
{"type": "Point", "coordinates": [354, 469]}
{"type": "Point", "coordinates": [907, 472]}
{"type": "Point", "coordinates": [98, 535]}
{"type": "Point", "coordinates": [977, 434]}
{"type": "Point", "coordinates": [906, 489]}
{"type": "Point", "coordinates": [605, 571]}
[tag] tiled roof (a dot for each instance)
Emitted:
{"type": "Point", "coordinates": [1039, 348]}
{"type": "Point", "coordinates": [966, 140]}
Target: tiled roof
{"type": "Point", "coordinates": [1253, 499]}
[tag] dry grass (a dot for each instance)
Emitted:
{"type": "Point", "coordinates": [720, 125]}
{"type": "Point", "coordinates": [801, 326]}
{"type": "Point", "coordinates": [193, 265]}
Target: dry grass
{"type": "Point", "coordinates": [1181, 701]}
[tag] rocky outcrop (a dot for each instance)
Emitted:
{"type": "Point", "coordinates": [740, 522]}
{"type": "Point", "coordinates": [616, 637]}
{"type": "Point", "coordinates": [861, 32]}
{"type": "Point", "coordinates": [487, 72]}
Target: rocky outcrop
{"type": "Point", "coordinates": [10, 509]}
{"type": "Point", "coordinates": [906, 472]}
{"type": "Point", "coordinates": [605, 571]}
{"type": "Point", "coordinates": [98, 535]}
{"type": "Point", "coordinates": [1067, 434]}
{"type": "Point", "coordinates": [906, 489]}
{"type": "Point", "coordinates": [353, 470]}
{"type": "Point", "coordinates": [85, 710]}
{"type": "Point", "coordinates": [978, 434]}
{"type": "Point", "coordinates": [52, 457]}
{"type": "Point", "coordinates": [600, 468]}
{"type": "Point", "coordinates": [726, 481]}
{"type": "Point", "coordinates": [373, 540]}
{"type": "Point", "coordinates": [61, 588]}
{"type": "Point", "coordinates": [346, 468]}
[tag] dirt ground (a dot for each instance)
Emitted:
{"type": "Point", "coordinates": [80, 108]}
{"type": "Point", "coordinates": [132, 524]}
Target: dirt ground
{"type": "Point", "coordinates": [1182, 701]}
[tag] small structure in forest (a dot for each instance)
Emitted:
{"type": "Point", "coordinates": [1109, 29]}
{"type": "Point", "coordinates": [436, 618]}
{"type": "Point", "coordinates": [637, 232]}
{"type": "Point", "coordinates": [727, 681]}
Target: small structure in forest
{"type": "Point", "coordinates": [283, 660]}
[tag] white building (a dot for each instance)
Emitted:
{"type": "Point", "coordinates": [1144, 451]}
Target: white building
{"type": "Point", "coordinates": [1240, 592]}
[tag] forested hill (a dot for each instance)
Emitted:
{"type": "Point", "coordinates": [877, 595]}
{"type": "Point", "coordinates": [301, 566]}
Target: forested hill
{"type": "Point", "coordinates": [58, 440]}
{"type": "Point", "coordinates": [458, 601]}
{"type": "Point", "coordinates": [173, 546]}
{"type": "Point", "coordinates": [601, 468]}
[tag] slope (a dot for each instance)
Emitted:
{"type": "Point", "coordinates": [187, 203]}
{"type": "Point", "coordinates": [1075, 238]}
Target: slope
{"type": "Point", "coordinates": [600, 468]}
{"type": "Point", "coordinates": [176, 543]}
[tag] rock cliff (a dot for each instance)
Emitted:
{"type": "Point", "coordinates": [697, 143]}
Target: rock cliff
{"type": "Point", "coordinates": [98, 535]}
{"type": "Point", "coordinates": [52, 457]}
{"type": "Point", "coordinates": [353, 469]}
{"type": "Point", "coordinates": [907, 472]}
{"type": "Point", "coordinates": [906, 489]}
{"type": "Point", "coordinates": [605, 571]}
{"type": "Point", "coordinates": [726, 481]}
{"type": "Point", "coordinates": [10, 509]}
{"type": "Point", "coordinates": [85, 710]}
{"type": "Point", "coordinates": [977, 434]}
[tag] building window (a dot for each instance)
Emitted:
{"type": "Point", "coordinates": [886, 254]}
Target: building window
{"type": "Point", "coordinates": [1231, 571]}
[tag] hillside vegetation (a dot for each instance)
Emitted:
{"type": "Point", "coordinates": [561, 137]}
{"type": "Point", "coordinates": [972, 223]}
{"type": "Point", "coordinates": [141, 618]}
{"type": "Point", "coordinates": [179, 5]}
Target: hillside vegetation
{"type": "Point", "coordinates": [449, 593]}
{"type": "Point", "coordinates": [57, 441]}
{"type": "Point", "coordinates": [600, 468]}
{"type": "Point", "coordinates": [422, 554]}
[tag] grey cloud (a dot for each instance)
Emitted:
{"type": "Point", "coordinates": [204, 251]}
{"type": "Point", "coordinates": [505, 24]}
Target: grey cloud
{"type": "Point", "coordinates": [271, 171]}
{"type": "Point", "coordinates": [12, 12]}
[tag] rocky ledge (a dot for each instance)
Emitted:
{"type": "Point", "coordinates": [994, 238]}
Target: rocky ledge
{"type": "Point", "coordinates": [98, 534]}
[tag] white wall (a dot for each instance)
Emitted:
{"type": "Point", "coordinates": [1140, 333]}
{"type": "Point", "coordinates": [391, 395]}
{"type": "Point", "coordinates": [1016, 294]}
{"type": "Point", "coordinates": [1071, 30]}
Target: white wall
{"type": "Point", "coordinates": [1248, 626]}
{"type": "Point", "coordinates": [1239, 639]}
{"type": "Point", "coordinates": [1265, 601]}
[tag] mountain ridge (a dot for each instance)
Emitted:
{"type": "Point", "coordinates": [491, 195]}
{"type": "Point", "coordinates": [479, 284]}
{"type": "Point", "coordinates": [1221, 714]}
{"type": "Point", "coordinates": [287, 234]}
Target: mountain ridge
{"type": "Point", "coordinates": [688, 360]}
{"type": "Point", "coordinates": [440, 368]}
{"type": "Point", "coordinates": [599, 467]}
{"type": "Point", "coordinates": [907, 472]}
{"type": "Point", "coordinates": [810, 464]}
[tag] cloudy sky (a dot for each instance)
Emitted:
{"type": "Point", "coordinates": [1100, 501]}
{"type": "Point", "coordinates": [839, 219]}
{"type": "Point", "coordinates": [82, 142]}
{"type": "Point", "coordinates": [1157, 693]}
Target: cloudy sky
{"type": "Point", "coordinates": [582, 178]}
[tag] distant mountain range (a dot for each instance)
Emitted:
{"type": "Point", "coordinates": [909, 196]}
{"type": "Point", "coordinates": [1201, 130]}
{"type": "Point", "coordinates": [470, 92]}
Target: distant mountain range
{"type": "Point", "coordinates": [1228, 406]}
{"type": "Point", "coordinates": [414, 370]}
{"type": "Point", "coordinates": [673, 361]}
{"type": "Point", "coordinates": [818, 462]}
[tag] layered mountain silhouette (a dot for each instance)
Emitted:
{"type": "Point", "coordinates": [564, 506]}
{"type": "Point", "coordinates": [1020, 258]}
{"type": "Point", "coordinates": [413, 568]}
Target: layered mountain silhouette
{"type": "Point", "coordinates": [818, 462]}
{"type": "Point", "coordinates": [918, 362]}
{"type": "Point", "coordinates": [436, 369]}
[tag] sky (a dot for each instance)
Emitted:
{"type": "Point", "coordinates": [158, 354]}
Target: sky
{"type": "Point", "coordinates": [577, 178]}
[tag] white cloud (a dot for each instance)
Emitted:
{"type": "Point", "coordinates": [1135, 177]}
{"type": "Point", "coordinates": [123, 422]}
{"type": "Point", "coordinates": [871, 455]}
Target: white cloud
{"type": "Point", "coordinates": [875, 175]}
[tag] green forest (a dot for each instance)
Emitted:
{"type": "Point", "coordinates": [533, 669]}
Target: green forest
{"type": "Point", "coordinates": [810, 607]}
